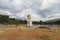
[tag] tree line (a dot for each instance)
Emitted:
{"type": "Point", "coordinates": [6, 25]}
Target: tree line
{"type": "Point", "coordinates": [4, 19]}
{"type": "Point", "coordinates": [49, 22]}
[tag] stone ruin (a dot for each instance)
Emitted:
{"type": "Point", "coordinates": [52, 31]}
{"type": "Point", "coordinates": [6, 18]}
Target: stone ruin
{"type": "Point", "coordinates": [29, 21]}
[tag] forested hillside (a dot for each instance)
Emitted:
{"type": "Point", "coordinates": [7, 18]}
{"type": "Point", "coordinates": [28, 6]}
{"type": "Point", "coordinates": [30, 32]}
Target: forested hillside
{"type": "Point", "coordinates": [4, 19]}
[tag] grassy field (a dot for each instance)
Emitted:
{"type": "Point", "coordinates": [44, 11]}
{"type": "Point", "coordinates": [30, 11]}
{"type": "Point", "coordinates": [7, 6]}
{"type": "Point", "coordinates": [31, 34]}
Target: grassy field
{"type": "Point", "coordinates": [29, 34]}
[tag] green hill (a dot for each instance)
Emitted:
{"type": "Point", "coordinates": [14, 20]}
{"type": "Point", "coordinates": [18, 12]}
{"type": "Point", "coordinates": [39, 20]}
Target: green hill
{"type": "Point", "coordinates": [4, 19]}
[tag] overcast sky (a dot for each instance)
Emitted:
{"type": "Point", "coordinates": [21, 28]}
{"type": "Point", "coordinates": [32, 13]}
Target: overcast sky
{"type": "Point", "coordinates": [38, 9]}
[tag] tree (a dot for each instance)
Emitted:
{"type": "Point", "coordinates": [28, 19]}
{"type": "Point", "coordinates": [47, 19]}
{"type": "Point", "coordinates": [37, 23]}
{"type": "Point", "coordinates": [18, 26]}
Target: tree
{"type": "Point", "coordinates": [40, 22]}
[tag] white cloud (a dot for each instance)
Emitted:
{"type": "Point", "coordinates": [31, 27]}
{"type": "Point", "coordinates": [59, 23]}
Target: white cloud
{"type": "Point", "coordinates": [47, 3]}
{"type": "Point", "coordinates": [5, 12]}
{"type": "Point", "coordinates": [26, 12]}
{"type": "Point", "coordinates": [38, 9]}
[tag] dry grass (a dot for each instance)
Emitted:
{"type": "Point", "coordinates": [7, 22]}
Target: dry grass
{"type": "Point", "coordinates": [35, 34]}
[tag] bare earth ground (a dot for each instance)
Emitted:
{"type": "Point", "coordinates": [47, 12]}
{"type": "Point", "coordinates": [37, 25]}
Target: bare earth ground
{"type": "Point", "coordinates": [29, 34]}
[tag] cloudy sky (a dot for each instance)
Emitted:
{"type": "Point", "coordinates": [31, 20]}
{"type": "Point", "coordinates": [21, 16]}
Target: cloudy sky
{"type": "Point", "coordinates": [38, 9]}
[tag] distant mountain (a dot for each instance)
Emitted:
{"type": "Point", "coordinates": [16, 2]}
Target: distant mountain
{"type": "Point", "coordinates": [54, 21]}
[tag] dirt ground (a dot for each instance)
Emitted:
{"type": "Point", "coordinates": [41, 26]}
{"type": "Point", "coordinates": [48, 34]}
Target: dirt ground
{"type": "Point", "coordinates": [29, 34]}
